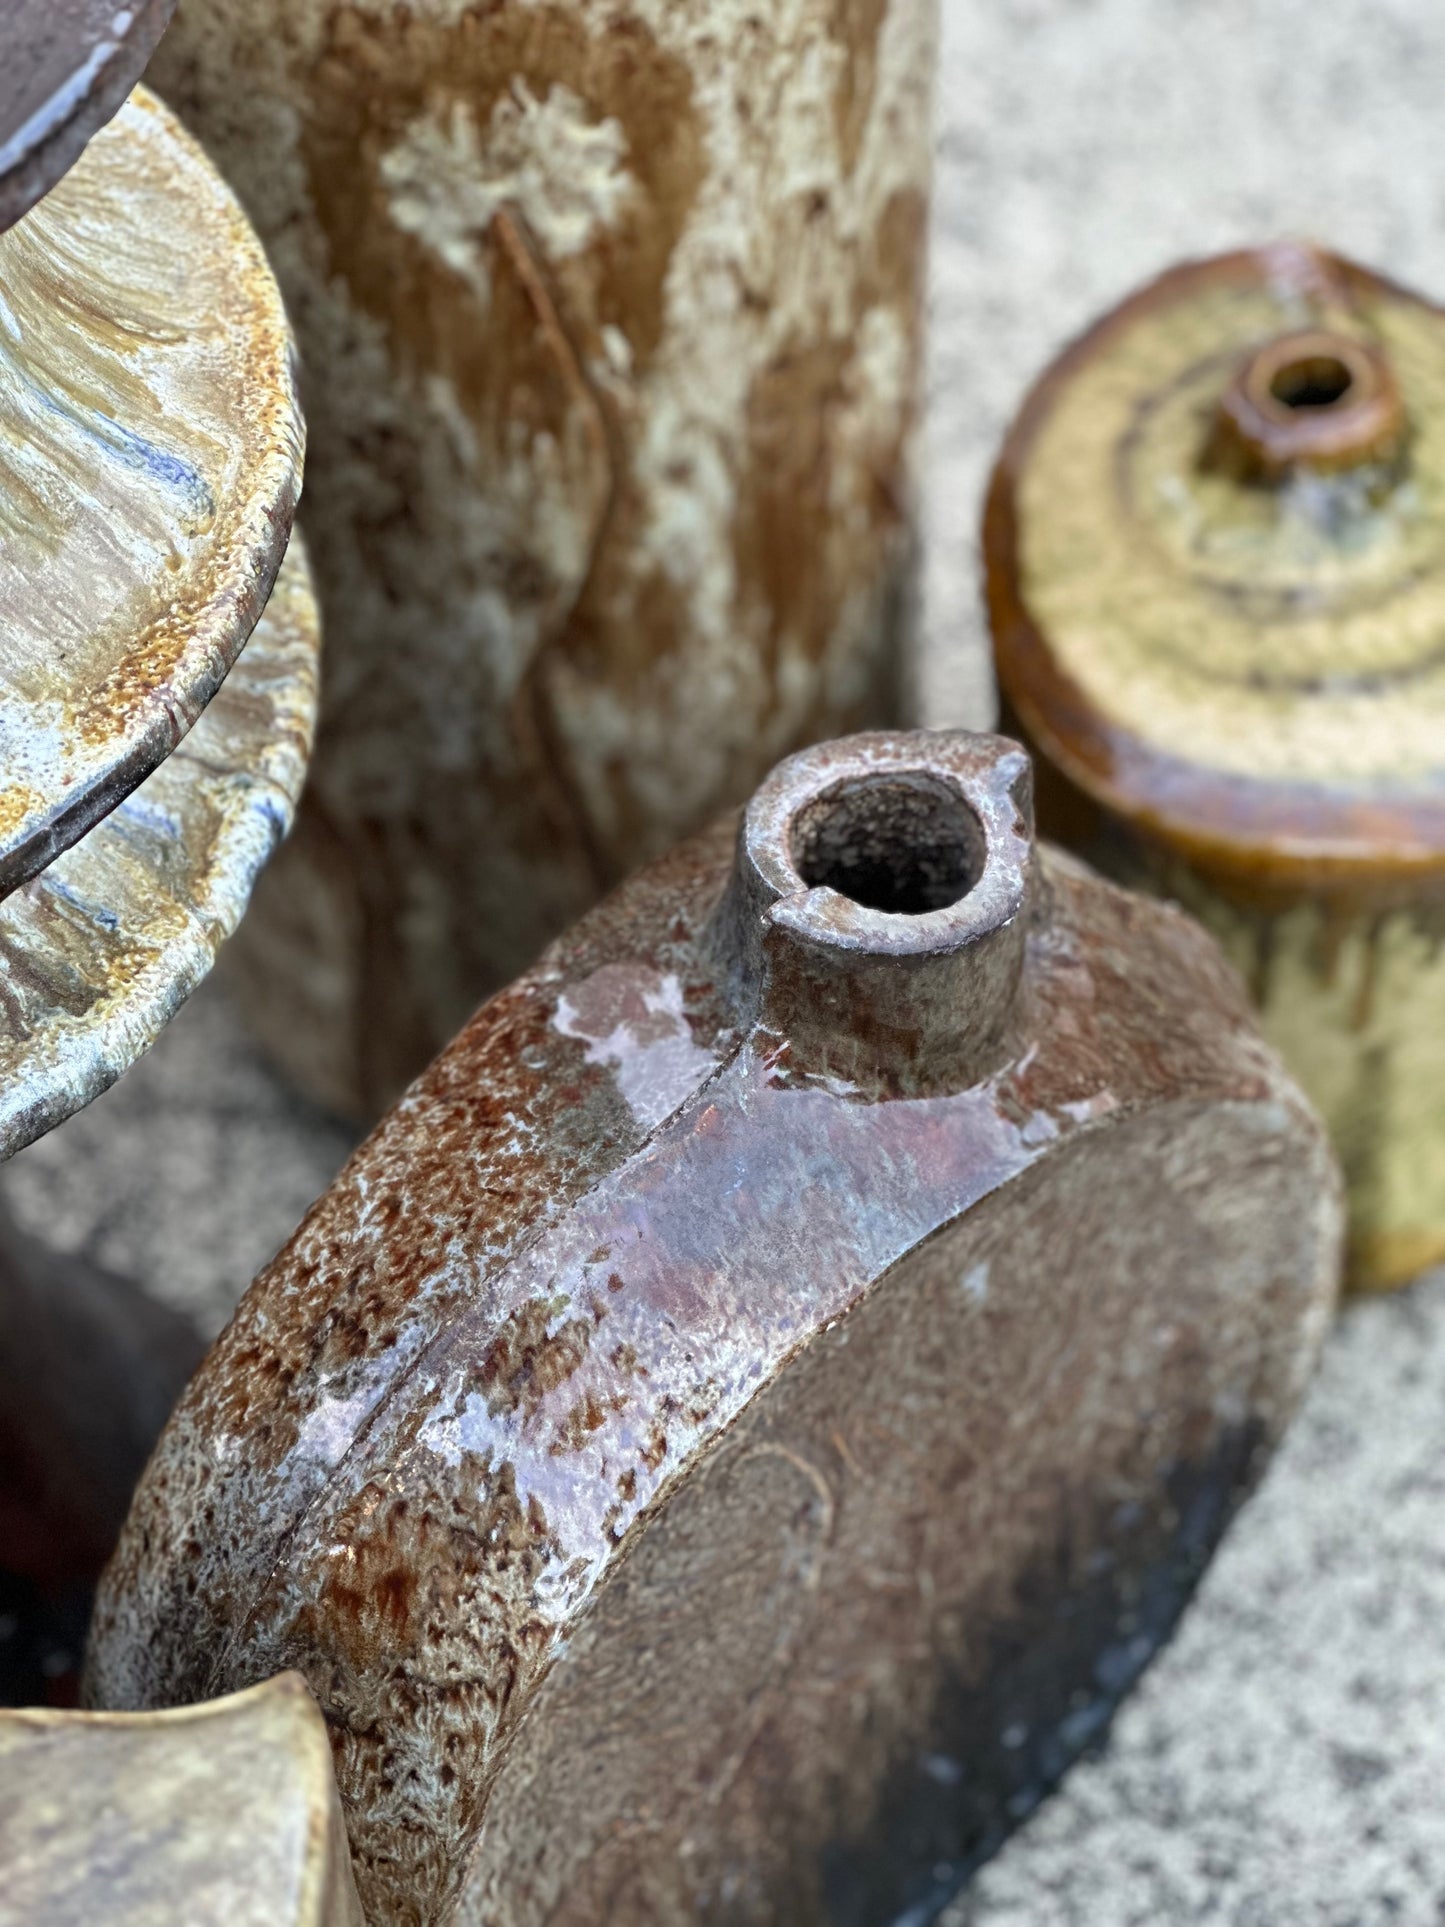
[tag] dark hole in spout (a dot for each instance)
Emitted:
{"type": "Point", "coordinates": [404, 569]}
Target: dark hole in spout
{"type": "Point", "coordinates": [1316, 381]}
{"type": "Point", "coordinates": [905, 844]}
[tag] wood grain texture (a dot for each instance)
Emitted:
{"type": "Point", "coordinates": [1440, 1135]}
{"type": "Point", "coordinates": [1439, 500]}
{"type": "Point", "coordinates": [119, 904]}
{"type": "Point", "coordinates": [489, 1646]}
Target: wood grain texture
{"type": "Point", "coordinates": [100, 950]}
{"type": "Point", "coordinates": [610, 313]}
{"type": "Point", "coordinates": [150, 456]}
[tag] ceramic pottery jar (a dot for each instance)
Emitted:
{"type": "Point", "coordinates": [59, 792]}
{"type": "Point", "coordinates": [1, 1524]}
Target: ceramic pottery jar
{"type": "Point", "coordinates": [158, 653]}
{"type": "Point", "coordinates": [733, 1432]}
{"type": "Point", "coordinates": [610, 317]}
{"type": "Point", "coordinates": [1212, 547]}
{"type": "Point", "coordinates": [224, 1812]}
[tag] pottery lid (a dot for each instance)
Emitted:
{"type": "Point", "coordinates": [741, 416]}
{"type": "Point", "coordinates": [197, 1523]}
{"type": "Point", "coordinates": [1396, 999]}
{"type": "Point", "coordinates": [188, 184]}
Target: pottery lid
{"type": "Point", "coordinates": [100, 950]}
{"type": "Point", "coordinates": [65, 66]}
{"type": "Point", "coordinates": [150, 455]}
{"type": "Point", "coordinates": [1215, 554]}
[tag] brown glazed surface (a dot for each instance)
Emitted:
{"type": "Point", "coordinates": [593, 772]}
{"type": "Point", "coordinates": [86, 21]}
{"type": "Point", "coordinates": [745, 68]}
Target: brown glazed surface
{"type": "Point", "coordinates": [731, 1434]}
{"type": "Point", "coordinates": [610, 318]}
{"type": "Point", "coordinates": [65, 66]}
{"type": "Point", "coordinates": [150, 457]}
{"type": "Point", "coordinates": [1296, 666]}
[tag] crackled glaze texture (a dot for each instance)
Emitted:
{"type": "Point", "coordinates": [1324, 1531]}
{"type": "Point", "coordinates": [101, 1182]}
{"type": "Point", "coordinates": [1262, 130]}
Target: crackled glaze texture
{"type": "Point", "coordinates": [216, 1816]}
{"type": "Point", "coordinates": [1221, 623]}
{"type": "Point", "coordinates": [150, 454]}
{"type": "Point", "coordinates": [610, 316]}
{"type": "Point", "coordinates": [100, 950]}
{"type": "Point", "coordinates": [731, 1434]}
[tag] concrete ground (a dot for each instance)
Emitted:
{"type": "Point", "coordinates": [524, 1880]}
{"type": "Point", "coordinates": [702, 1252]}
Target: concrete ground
{"type": "Point", "coordinates": [1284, 1763]}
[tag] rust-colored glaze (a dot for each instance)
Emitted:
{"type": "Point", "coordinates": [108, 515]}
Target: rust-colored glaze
{"type": "Point", "coordinates": [65, 66]}
{"type": "Point", "coordinates": [611, 327]}
{"type": "Point", "coordinates": [1231, 662]}
{"type": "Point", "coordinates": [732, 1432]}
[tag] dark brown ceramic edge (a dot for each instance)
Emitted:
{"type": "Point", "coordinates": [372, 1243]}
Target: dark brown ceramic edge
{"type": "Point", "coordinates": [112, 44]}
{"type": "Point", "coordinates": [1256, 834]}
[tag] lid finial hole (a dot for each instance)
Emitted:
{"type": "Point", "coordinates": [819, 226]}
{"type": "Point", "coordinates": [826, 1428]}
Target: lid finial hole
{"type": "Point", "coordinates": [1315, 381]}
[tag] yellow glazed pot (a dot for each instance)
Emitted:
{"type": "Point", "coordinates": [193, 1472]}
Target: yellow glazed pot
{"type": "Point", "coordinates": [1213, 548]}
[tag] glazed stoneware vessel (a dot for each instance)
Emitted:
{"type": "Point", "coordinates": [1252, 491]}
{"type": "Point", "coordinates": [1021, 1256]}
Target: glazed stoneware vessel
{"type": "Point", "coordinates": [731, 1435]}
{"type": "Point", "coordinates": [610, 317]}
{"type": "Point", "coordinates": [158, 654]}
{"type": "Point", "coordinates": [150, 460]}
{"type": "Point", "coordinates": [1212, 548]}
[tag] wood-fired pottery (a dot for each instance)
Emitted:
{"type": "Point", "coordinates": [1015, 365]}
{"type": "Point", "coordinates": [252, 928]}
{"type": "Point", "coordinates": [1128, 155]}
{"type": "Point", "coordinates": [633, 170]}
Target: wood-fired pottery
{"type": "Point", "coordinates": [158, 654]}
{"type": "Point", "coordinates": [1213, 548]}
{"type": "Point", "coordinates": [731, 1435]}
{"type": "Point", "coordinates": [223, 1815]}
{"type": "Point", "coordinates": [610, 318]}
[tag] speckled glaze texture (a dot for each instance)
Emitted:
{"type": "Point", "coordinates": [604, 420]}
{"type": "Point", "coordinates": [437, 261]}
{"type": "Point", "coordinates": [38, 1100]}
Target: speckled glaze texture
{"type": "Point", "coordinates": [65, 66]}
{"type": "Point", "coordinates": [222, 1815]}
{"type": "Point", "coordinates": [1225, 647]}
{"type": "Point", "coordinates": [150, 456]}
{"type": "Point", "coordinates": [100, 950]}
{"type": "Point", "coordinates": [706, 1477]}
{"type": "Point", "coordinates": [610, 317]}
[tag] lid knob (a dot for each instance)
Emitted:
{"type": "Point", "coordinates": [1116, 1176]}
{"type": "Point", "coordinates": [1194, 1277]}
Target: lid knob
{"type": "Point", "coordinates": [1315, 399]}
